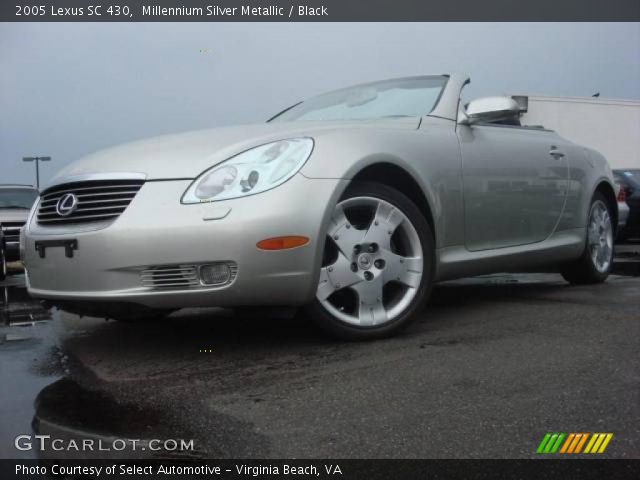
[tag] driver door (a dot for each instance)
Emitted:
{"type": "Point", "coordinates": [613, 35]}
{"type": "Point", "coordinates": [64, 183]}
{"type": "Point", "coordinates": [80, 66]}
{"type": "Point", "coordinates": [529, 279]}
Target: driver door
{"type": "Point", "coordinates": [515, 183]}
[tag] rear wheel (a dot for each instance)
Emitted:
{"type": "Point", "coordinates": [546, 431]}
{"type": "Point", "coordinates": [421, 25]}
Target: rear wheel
{"type": "Point", "coordinates": [378, 263]}
{"type": "Point", "coordinates": [595, 263]}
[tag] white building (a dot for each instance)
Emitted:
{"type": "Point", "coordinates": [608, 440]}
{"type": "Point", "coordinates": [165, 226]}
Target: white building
{"type": "Point", "coordinates": [610, 126]}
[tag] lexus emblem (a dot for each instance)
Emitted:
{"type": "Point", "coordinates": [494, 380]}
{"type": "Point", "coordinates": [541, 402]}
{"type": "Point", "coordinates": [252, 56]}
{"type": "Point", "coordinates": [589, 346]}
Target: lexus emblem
{"type": "Point", "coordinates": [365, 261]}
{"type": "Point", "coordinates": [67, 204]}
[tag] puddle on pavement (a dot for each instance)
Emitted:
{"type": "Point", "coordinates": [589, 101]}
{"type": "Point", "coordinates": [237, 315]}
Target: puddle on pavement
{"type": "Point", "coordinates": [68, 411]}
{"type": "Point", "coordinates": [33, 366]}
{"type": "Point", "coordinates": [27, 341]}
{"type": "Point", "coordinates": [65, 402]}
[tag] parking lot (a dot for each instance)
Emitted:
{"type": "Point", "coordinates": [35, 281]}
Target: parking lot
{"type": "Point", "coordinates": [492, 365]}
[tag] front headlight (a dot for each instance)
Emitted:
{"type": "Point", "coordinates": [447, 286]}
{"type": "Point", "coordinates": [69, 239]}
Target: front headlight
{"type": "Point", "coordinates": [254, 171]}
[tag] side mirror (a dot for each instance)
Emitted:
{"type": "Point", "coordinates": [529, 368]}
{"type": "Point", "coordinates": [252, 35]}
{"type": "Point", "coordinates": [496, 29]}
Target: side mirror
{"type": "Point", "coordinates": [490, 109]}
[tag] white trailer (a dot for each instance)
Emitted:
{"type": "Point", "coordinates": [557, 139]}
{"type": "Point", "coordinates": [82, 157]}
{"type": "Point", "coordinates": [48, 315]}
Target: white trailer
{"type": "Point", "coordinates": [612, 127]}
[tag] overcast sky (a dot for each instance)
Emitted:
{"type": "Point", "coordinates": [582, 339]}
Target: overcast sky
{"type": "Point", "coordinates": [69, 89]}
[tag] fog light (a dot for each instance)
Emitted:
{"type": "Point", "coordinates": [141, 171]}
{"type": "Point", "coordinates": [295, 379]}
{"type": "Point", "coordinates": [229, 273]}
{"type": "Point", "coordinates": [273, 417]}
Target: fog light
{"type": "Point", "coordinates": [215, 274]}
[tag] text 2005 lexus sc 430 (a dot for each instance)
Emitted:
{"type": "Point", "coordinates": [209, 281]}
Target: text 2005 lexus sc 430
{"type": "Point", "coordinates": [349, 205]}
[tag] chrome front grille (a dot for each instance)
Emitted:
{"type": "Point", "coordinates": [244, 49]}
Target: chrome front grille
{"type": "Point", "coordinates": [12, 231]}
{"type": "Point", "coordinates": [178, 276]}
{"type": "Point", "coordinates": [97, 200]}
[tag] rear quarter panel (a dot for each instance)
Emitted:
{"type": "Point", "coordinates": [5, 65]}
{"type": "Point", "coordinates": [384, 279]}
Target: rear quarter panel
{"type": "Point", "coordinates": [587, 169]}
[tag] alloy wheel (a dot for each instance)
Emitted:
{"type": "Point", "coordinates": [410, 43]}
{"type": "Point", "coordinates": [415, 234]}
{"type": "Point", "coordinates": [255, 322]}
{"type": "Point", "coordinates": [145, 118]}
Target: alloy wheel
{"type": "Point", "coordinates": [373, 262]}
{"type": "Point", "coordinates": [600, 236]}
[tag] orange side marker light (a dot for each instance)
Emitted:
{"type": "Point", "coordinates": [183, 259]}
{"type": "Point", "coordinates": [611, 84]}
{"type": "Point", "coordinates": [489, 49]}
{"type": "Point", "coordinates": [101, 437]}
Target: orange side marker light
{"type": "Point", "coordinates": [282, 243]}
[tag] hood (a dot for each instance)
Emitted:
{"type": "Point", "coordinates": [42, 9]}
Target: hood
{"type": "Point", "coordinates": [187, 155]}
{"type": "Point", "coordinates": [8, 215]}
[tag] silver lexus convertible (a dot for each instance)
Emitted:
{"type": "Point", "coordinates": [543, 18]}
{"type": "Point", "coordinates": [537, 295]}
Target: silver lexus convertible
{"type": "Point", "coordinates": [350, 205]}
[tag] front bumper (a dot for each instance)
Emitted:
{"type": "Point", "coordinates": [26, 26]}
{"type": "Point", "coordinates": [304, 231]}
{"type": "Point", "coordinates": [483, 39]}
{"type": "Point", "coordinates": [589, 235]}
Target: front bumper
{"type": "Point", "coordinates": [157, 230]}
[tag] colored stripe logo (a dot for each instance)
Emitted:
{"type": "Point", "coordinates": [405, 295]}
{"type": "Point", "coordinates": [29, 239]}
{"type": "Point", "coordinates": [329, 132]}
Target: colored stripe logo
{"type": "Point", "coordinates": [574, 443]}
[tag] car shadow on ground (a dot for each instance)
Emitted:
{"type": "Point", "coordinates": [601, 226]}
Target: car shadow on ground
{"type": "Point", "coordinates": [263, 339]}
{"type": "Point", "coordinates": [257, 326]}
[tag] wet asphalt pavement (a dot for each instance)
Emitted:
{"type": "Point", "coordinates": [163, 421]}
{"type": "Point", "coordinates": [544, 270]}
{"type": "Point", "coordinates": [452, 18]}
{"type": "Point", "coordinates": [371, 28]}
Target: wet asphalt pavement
{"type": "Point", "coordinates": [492, 365]}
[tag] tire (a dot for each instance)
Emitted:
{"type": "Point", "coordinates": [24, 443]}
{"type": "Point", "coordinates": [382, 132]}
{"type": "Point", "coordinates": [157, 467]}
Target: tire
{"type": "Point", "coordinates": [381, 247]}
{"type": "Point", "coordinates": [595, 263]}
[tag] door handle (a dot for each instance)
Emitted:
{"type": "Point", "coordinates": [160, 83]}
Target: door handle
{"type": "Point", "coordinates": [555, 153]}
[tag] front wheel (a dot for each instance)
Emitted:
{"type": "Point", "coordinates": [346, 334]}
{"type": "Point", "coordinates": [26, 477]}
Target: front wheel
{"type": "Point", "coordinates": [377, 268]}
{"type": "Point", "coordinates": [595, 263]}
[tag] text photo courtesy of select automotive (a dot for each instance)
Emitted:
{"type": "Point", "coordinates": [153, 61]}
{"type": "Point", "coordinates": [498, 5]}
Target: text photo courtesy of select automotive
{"type": "Point", "coordinates": [250, 241]}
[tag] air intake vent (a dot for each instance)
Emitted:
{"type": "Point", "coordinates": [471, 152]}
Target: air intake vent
{"type": "Point", "coordinates": [171, 276]}
{"type": "Point", "coordinates": [179, 277]}
{"type": "Point", "coordinates": [85, 202]}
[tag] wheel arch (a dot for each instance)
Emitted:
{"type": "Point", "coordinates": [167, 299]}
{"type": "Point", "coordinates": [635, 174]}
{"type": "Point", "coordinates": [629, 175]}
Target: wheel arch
{"type": "Point", "coordinates": [393, 175]}
{"type": "Point", "coordinates": [384, 170]}
{"type": "Point", "coordinates": [606, 189]}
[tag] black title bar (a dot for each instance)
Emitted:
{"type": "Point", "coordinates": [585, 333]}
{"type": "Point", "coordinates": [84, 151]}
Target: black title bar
{"type": "Point", "coordinates": [537, 469]}
{"type": "Point", "coordinates": [319, 10]}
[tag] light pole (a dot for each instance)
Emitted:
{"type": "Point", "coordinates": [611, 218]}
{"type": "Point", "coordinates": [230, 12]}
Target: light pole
{"type": "Point", "coordinates": [37, 160]}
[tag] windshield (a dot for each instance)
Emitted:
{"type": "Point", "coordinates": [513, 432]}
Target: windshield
{"type": "Point", "coordinates": [405, 97]}
{"type": "Point", "coordinates": [17, 197]}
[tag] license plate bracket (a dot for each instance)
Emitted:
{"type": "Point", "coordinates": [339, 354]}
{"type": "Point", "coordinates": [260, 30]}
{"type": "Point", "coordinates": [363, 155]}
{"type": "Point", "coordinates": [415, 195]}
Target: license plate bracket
{"type": "Point", "coordinates": [69, 246]}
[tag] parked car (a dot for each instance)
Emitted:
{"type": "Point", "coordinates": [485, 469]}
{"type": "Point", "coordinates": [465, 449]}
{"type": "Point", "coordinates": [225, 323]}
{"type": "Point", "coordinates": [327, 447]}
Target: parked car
{"type": "Point", "coordinates": [350, 204]}
{"type": "Point", "coordinates": [15, 203]}
{"type": "Point", "coordinates": [623, 210]}
{"type": "Point", "coordinates": [629, 180]}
